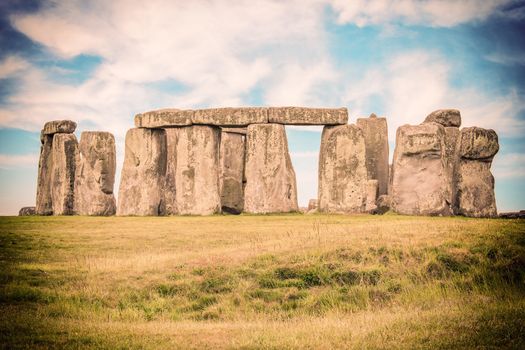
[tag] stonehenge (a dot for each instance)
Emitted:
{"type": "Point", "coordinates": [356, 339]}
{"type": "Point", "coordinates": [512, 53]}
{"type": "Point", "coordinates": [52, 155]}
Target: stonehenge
{"type": "Point", "coordinates": [143, 173]}
{"type": "Point", "coordinates": [95, 175]}
{"type": "Point", "coordinates": [342, 184]}
{"type": "Point", "coordinates": [375, 132]}
{"type": "Point", "coordinates": [270, 177]}
{"type": "Point", "coordinates": [236, 160]}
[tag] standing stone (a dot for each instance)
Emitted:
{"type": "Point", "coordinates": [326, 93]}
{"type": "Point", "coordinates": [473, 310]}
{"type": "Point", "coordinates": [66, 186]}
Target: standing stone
{"type": "Point", "coordinates": [312, 204]}
{"type": "Point", "coordinates": [475, 188]}
{"type": "Point", "coordinates": [143, 173]}
{"type": "Point", "coordinates": [375, 131]}
{"type": "Point", "coordinates": [44, 202]}
{"type": "Point", "coordinates": [197, 170]}
{"type": "Point", "coordinates": [452, 139]}
{"type": "Point", "coordinates": [419, 183]}
{"type": "Point", "coordinates": [270, 177]}
{"type": "Point", "coordinates": [372, 187]}
{"type": "Point", "coordinates": [170, 188]}
{"type": "Point", "coordinates": [231, 172]}
{"type": "Point", "coordinates": [65, 159]}
{"type": "Point", "coordinates": [342, 170]}
{"type": "Point", "coordinates": [95, 175]}
{"type": "Point", "coordinates": [445, 117]}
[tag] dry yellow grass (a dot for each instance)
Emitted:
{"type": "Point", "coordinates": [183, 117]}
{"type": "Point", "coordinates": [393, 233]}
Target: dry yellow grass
{"type": "Point", "coordinates": [277, 281]}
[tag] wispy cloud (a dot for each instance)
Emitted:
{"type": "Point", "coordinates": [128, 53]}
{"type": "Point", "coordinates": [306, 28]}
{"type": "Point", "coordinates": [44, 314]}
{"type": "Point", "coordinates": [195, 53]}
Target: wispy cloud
{"type": "Point", "coordinates": [12, 65]}
{"type": "Point", "coordinates": [9, 161]}
{"type": "Point", "coordinates": [433, 13]}
{"type": "Point", "coordinates": [511, 165]}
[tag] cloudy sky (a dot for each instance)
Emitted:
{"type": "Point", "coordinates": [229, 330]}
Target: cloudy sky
{"type": "Point", "coordinates": [100, 62]}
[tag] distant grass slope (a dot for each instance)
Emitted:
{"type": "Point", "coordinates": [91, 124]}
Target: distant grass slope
{"type": "Point", "coordinates": [271, 282]}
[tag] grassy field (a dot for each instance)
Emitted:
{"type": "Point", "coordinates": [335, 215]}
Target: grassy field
{"type": "Point", "coordinates": [270, 282]}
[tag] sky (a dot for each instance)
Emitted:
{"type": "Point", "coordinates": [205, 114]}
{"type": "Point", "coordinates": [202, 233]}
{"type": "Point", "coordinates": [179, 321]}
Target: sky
{"type": "Point", "coordinates": [101, 62]}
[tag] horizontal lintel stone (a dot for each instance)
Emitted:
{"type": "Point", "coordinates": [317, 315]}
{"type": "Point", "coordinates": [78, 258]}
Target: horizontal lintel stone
{"type": "Point", "coordinates": [307, 116]}
{"type": "Point", "coordinates": [59, 126]}
{"type": "Point", "coordinates": [242, 116]}
{"type": "Point", "coordinates": [241, 131]}
{"type": "Point", "coordinates": [164, 118]}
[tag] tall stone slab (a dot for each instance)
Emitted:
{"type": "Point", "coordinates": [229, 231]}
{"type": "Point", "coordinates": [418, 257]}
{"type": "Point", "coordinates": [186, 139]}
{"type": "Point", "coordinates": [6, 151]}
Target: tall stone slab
{"type": "Point", "coordinates": [475, 187]}
{"type": "Point", "coordinates": [143, 173]}
{"type": "Point", "coordinates": [95, 176]}
{"type": "Point", "coordinates": [270, 178]}
{"type": "Point", "coordinates": [342, 170]}
{"type": "Point", "coordinates": [65, 158]}
{"type": "Point", "coordinates": [197, 170]}
{"type": "Point", "coordinates": [452, 143]}
{"type": "Point", "coordinates": [232, 172]}
{"type": "Point", "coordinates": [170, 188]}
{"type": "Point", "coordinates": [375, 131]}
{"type": "Point", "coordinates": [44, 202]}
{"type": "Point", "coordinates": [420, 183]}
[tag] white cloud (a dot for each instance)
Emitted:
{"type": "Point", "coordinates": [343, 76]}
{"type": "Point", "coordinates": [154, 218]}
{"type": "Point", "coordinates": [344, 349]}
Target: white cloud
{"type": "Point", "coordinates": [413, 84]}
{"type": "Point", "coordinates": [434, 13]}
{"type": "Point", "coordinates": [9, 161]}
{"type": "Point", "coordinates": [12, 65]}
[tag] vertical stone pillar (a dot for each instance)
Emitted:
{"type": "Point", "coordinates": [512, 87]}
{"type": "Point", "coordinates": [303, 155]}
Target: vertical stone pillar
{"type": "Point", "coordinates": [44, 202]}
{"type": "Point", "coordinates": [270, 177]}
{"type": "Point", "coordinates": [375, 132]}
{"type": "Point", "coordinates": [143, 173]}
{"type": "Point", "coordinates": [372, 187]}
{"type": "Point", "coordinates": [65, 159]}
{"type": "Point", "coordinates": [342, 170]}
{"type": "Point", "coordinates": [452, 142]}
{"type": "Point", "coordinates": [197, 170]}
{"type": "Point", "coordinates": [44, 195]}
{"type": "Point", "coordinates": [420, 183]}
{"type": "Point", "coordinates": [232, 172]}
{"type": "Point", "coordinates": [170, 188]}
{"type": "Point", "coordinates": [95, 175]}
{"type": "Point", "coordinates": [475, 187]}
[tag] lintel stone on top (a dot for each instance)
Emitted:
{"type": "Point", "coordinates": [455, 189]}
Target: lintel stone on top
{"type": "Point", "coordinates": [59, 127]}
{"type": "Point", "coordinates": [164, 118]}
{"type": "Point", "coordinates": [308, 116]}
{"type": "Point", "coordinates": [228, 116]}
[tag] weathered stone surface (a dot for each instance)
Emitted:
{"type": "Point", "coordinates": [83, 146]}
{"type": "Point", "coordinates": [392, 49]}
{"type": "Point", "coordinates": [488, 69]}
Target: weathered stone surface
{"type": "Point", "coordinates": [95, 175]}
{"type": "Point", "coordinates": [143, 173]}
{"type": "Point", "coordinates": [228, 116]}
{"type": "Point", "coordinates": [231, 172]}
{"type": "Point", "coordinates": [478, 143]}
{"type": "Point", "coordinates": [452, 139]}
{"type": "Point", "coordinates": [372, 187]}
{"type": "Point", "coordinates": [27, 211]}
{"type": "Point", "coordinates": [44, 202]}
{"type": "Point", "coordinates": [240, 130]}
{"type": "Point", "coordinates": [170, 186]}
{"type": "Point", "coordinates": [342, 170]}
{"type": "Point", "coordinates": [197, 170]}
{"type": "Point", "coordinates": [419, 182]}
{"type": "Point", "coordinates": [164, 118]}
{"type": "Point", "coordinates": [445, 117]}
{"type": "Point", "coordinates": [375, 131]}
{"type": "Point", "coordinates": [65, 159]}
{"type": "Point", "coordinates": [312, 204]}
{"type": "Point", "coordinates": [307, 116]}
{"type": "Point", "coordinates": [384, 204]}
{"type": "Point", "coordinates": [59, 126]}
{"type": "Point", "coordinates": [270, 177]}
{"type": "Point", "coordinates": [475, 187]}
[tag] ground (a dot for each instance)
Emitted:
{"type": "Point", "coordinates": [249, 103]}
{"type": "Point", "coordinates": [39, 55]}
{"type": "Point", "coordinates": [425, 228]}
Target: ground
{"type": "Point", "coordinates": [272, 282]}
